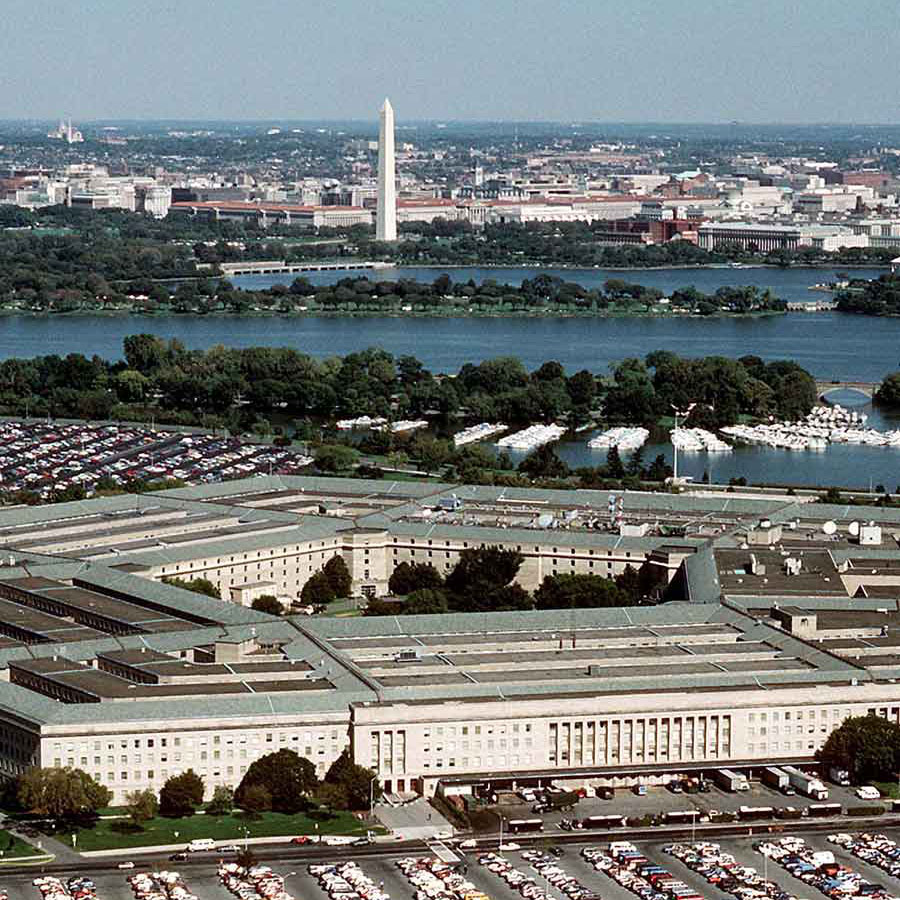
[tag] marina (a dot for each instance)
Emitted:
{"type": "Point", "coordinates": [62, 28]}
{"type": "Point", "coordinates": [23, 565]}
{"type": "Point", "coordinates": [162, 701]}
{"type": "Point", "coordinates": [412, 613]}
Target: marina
{"type": "Point", "coordinates": [532, 437]}
{"type": "Point", "coordinates": [624, 439]}
{"type": "Point", "coordinates": [475, 433]}
{"type": "Point", "coordinates": [824, 425]}
{"type": "Point", "coordinates": [697, 440]}
{"type": "Point", "coordinates": [360, 422]}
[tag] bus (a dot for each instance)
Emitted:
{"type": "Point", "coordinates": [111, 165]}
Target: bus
{"type": "Point", "coordinates": [517, 826]}
{"type": "Point", "coordinates": [823, 810]}
{"type": "Point", "coordinates": [754, 813]}
{"type": "Point", "coordinates": [681, 817]}
{"type": "Point", "coordinates": [603, 822]}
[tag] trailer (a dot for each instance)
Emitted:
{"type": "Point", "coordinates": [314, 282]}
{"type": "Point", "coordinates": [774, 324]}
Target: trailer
{"type": "Point", "coordinates": [556, 800]}
{"type": "Point", "coordinates": [808, 785]}
{"type": "Point", "coordinates": [731, 781]}
{"type": "Point", "coordinates": [776, 778]}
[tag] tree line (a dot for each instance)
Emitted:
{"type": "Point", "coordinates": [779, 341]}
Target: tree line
{"type": "Point", "coordinates": [282, 781]}
{"type": "Point", "coordinates": [233, 386]}
{"type": "Point", "coordinates": [876, 297]}
{"type": "Point", "coordinates": [722, 389]}
{"type": "Point", "coordinates": [484, 580]}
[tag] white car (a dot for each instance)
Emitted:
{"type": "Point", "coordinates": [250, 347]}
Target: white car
{"type": "Point", "coordinates": [867, 792]}
{"type": "Point", "coordinates": [510, 847]}
{"type": "Point", "coordinates": [126, 865]}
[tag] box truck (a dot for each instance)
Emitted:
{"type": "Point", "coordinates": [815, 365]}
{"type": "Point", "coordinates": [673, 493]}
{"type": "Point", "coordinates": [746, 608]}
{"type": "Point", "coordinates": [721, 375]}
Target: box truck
{"type": "Point", "coordinates": [808, 785]}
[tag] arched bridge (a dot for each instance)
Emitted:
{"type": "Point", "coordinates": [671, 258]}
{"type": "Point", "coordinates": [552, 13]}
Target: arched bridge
{"type": "Point", "coordinates": [868, 388]}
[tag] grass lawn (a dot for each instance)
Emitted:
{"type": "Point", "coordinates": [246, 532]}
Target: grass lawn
{"type": "Point", "coordinates": [344, 606]}
{"type": "Point", "coordinates": [888, 789]}
{"type": "Point", "coordinates": [18, 849]}
{"type": "Point", "coordinates": [110, 833]}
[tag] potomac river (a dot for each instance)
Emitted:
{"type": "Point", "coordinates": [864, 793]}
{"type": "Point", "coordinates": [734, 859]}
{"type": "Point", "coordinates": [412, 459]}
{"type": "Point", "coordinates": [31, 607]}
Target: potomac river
{"type": "Point", "coordinates": [831, 345]}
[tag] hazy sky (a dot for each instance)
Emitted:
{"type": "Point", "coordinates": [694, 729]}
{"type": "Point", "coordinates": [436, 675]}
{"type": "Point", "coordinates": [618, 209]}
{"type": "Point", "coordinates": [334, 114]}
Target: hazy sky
{"type": "Point", "coordinates": [629, 60]}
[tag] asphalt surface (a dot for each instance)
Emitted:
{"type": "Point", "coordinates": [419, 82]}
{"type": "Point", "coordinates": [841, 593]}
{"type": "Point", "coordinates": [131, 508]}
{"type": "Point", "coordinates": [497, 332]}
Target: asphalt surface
{"type": "Point", "coordinates": [660, 799]}
{"type": "Point", "coordinates": [378, 862]}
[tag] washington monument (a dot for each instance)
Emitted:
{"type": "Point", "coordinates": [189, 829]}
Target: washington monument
{"type": "Point", "coordinates": [386, 218]}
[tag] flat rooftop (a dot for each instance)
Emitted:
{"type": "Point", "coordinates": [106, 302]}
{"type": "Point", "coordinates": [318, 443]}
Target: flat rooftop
{"type": "Point", "coordinates": [73, 682]}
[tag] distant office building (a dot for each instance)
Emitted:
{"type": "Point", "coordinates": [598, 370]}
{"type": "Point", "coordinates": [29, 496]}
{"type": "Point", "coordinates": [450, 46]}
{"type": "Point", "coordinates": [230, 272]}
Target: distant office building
{"type": "Point", "coordinates": [155, 199]}
{"type": "Point", "coordinates": [755, 236]}
{"type": "Point", "coordinates": [65, 132]}
{"type": "Point", "coordinates": [265, 214]}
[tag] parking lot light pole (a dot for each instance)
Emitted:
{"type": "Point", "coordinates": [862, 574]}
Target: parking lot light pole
{"type": "Point", "coordinates": [372, 796]}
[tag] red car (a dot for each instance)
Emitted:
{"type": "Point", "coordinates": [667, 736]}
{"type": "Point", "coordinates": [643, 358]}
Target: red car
{"type": "Point", "coordinates": [303, 839]}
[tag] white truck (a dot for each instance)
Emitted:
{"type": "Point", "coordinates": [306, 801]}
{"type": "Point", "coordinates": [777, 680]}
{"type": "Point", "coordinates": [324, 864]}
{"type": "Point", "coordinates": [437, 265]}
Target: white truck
{"type": "Point", "coordinates": [731, 781]}
{"type": "Point", "coordinates": [808, 785]}
{"type": "Point", "coordinates": [776, 778]}
{"type": "Point", "coordinates": [839, 776]}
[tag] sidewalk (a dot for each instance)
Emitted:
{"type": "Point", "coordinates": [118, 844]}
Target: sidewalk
{"type": "Point", "coordinates": [414, 821]}
{"type": "Point", "coordinates": [49, 845]}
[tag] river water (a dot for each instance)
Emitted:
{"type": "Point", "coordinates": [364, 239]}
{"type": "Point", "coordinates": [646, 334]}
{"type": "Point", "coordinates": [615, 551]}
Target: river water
{"type": "Point", "coordinates": [830, 345]}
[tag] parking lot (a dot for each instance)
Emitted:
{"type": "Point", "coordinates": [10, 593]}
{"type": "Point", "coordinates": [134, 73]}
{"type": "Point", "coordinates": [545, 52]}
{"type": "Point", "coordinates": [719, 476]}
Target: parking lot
{"type": "Point", "coordinates": [660, 799]}
{"type": "Point", "coordinates": [45, 457]}
{"type": "Point", "coordinates": [730, 869]}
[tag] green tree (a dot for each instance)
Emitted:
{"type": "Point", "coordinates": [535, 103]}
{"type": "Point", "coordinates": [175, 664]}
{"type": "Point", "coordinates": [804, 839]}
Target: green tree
{"type": "Point", "coordinates": [481, 578]}
{"type": "Point", "coordinates": [357, 781]}
{"type": "Point", "coordinates": [268, 603]}
{"type": "Point", "coordinates": [222, 801]}
{"type": "Point", "coordinates": [290, 780]}
{"type": "Point", "coordinates": [141, 806]}
{"type": "Point", "coordinates": [61, 793]}
{"type": "Point", "coordinates": [197, 585]}
{"type": "Point", "coordinates": [614, 466]}
{"type": "Point", "coordinates": [426, 601]}
{"type": "Point", "coordinates": [338, 575]}
{"type": "Point", "coordinates": [181, 795]}
{"type": "Point", "coordinates": [256, 800]}
{"type": "Point", "coordinates": [318, 590]}
{"type": "Point", "coordinates": [578, 592]}
{"type": "Point", "coordinates": [484, 566]}
{"type": "Point", "coordinates": [543, 463]}
{"type": "Point", "coordinates": [868, 747]}
{"type": "Point", "coordinates": [335, 458]}
{"type": "Point", "coordinates": [409, 577]}
{"type": "Point", "coordinates": [332, 796]}
{"type": "Point", "coordinates": [145, 353]}
{"type": "Point", "coordinates": [431, 452]}
{"type": "Point", "coordinates": [889, 391]}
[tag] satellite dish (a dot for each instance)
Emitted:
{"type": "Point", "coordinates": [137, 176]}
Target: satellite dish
{"type": "Point", "coordinates": [853, 528]}
{"type": "Point", "coordinates": [829, 527]}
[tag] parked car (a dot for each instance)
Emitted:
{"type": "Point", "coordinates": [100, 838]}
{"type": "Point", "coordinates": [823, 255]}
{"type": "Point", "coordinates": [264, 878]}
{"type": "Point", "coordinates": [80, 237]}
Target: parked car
{"type": "Point", "coordinates": [868, 792]}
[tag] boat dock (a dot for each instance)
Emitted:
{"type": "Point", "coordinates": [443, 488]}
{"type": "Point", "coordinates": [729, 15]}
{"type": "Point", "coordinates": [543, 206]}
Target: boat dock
{"type": "Point", "coordinates": [814, 306]}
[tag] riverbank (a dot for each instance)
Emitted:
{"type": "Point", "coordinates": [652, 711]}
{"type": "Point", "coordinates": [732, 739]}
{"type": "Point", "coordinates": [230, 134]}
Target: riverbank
{"type": "Point", "coordinates": [571, 267]}
{"type": "Point", "coordinates": [450, 312]}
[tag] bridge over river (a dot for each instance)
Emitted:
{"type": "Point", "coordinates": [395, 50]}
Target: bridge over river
{"type": "Point", "coordinates": [867, 388]}
{"type": "Point", "coordinates": [261, 267]}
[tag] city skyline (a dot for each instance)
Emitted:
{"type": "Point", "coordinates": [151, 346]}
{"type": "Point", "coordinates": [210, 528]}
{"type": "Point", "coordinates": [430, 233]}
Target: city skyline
{"type": "Point", "coordinates": [603, 62]}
